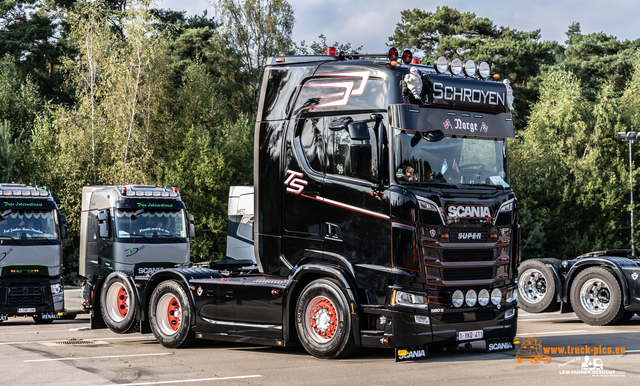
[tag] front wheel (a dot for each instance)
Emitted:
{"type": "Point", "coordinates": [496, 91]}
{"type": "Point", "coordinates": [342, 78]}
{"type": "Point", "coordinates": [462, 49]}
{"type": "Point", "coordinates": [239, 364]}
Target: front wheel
{"type": "Point", "coordinates": [323, 320]}
{"type": "Point", "coordinates": [119, 304]}
{"type": "Point", "coordinates": [596, 297]}
{"type": "Point", "coordinates": [170, 315]}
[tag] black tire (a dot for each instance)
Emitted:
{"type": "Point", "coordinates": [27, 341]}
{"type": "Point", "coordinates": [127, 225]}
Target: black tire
{"type": "Point", "coordinates": [626, 316]}
{"type": "Point", "coordinates": [38, 319]}
{"type": "Point", "coordinates": [537, 286]}
{"type": "Point", "coordinates": [119, 304]}
{"type": "Point", "coordinates": [596, 297]}
{"type": "Point", "coordinates": [324, 301]}
{"type": "Point", "coordinates": [170, 315]}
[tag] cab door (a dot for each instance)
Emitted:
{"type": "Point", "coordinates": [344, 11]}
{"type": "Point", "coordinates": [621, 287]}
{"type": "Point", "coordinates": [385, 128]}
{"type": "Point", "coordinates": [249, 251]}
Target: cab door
{"type": "Point", "coordinates": [357, 205]}
{"type": "Point", "coordinates": [303, 214]}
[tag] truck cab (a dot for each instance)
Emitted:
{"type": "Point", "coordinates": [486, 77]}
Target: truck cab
{"type": "Point", "coordinates": [31, 235]}
{"type": "Point", "coordinates": [128, 233]}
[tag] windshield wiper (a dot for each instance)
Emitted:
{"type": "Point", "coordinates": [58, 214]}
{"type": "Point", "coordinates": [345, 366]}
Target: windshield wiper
{"type": "Point", "coordinates": [172, 236]}
{"type": "Point", "coordinates": [438, 184]}
{"type": "Point", "coordinates": [50, 241]}
{"type": "Point", "coordinates": [11, 238]}
{"type": "Point", "coordinates": [491, 186]}
{"type": "Point", "coordinates": [137, 235]}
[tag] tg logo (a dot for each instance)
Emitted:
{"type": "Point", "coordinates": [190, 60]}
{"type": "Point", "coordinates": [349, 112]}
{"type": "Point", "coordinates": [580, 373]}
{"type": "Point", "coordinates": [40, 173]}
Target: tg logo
{"type": "Point", "coordinates": [295, 184]}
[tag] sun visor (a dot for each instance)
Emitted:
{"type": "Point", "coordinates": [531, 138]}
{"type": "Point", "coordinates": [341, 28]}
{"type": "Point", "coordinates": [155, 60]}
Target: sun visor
{"type": "Point", "coordinates": [417, 118]}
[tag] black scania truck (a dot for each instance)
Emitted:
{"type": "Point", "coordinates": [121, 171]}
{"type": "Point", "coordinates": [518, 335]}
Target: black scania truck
{"type": "Point", "coordinates": [383, 215]}
{"type": "Point", "coordinates": [31, 234]}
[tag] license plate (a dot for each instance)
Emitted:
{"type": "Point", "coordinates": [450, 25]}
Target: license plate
{"type": "Point", "coordinates": [26, 310]}
{"type": "Point", "coordinates": [468, 335]}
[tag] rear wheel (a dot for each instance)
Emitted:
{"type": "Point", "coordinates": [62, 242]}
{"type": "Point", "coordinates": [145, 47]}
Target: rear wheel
{"type": "Point", "coordinates": [596, 297]}
{"type": "Point", "coordinates": [38, 319]}
{"type": "Point", "coordinates": [323, 321]}
{"type": "Point", "coordinates": [537, 287]}
{"type": "Point", "coordinates": [119, 304]}
{"type": "Point", "coordinates": [170, 315]}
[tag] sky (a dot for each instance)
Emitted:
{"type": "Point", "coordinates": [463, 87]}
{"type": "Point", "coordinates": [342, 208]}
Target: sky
{"type": "Point", "coordinates": [369, 23]}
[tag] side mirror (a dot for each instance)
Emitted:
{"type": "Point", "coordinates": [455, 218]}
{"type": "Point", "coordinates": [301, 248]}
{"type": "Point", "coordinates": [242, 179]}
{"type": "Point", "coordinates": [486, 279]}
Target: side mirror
{"type": "Point", "coordinates": [192, 227]}
{"type": "Point", "coordinates": [63, 227]}
{"type": "Point", "coordinates": [103, 230]}
{"type": "Point", "coordinates": [360, 161]}
{"type": "Point", "coordinates": [359, 131]}
{"type": "Point", "coordinates": [340, 123]}
{"type": "Point", "coordinates": [103, 226]}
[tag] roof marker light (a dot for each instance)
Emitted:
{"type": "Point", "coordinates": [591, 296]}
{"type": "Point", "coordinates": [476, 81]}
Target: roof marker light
{"type": "Point", "coordinates": [331, 51]}
{"type": "Point", "coordinates": [407, 56]}
{"type": "Point", "coordinates": [415, 61]}
{"type": "Point", "coordinates": [124, 190]}
{"type": "Point", "coordinates": [393, 53]}
{"type": "Point", "coordinates": [279, 60]}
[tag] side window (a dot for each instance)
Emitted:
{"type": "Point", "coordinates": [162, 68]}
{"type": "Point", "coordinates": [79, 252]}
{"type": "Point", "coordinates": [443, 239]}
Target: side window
{"type": "Point", "coordinates": [310, 140]}
{"type": "Point", "coordinates": [339, 148]}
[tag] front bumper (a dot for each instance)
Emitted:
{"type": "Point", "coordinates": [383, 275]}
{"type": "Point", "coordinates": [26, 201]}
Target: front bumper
{"type": "Point", "coordinates": [402, 331]}
{"type": "Point", "coordinates": [28, 297]}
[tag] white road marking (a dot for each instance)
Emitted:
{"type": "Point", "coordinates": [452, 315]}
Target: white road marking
{"type": "Point", "coordinates": [554, 332]}
{"type": "Point", "coordinates": [628, 351]}
{"type": "Point", "coordinates": [538, 320]}
{"type": "Point", "coordinates": [58, 340]}
{"type": "Point", "coordinates": [101, 357]}
{"type": "Point", "coordinates": [189, 380]}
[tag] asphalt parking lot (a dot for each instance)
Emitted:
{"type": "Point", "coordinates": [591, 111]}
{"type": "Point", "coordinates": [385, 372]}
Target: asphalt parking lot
{"type": "Point", "coordinates": [67, 352]}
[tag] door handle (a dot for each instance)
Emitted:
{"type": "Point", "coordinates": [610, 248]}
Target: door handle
{"type": "Point", "coordinates": [333, 232]}
{"type": "Point", "coordinates": [229, 294]}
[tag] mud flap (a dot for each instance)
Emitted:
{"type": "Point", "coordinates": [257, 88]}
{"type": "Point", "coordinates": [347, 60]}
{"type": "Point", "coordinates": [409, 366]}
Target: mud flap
{"type": "Point", "coordinates": [499, 344]}
{"type": "Point", "coordinates": [411, 354]}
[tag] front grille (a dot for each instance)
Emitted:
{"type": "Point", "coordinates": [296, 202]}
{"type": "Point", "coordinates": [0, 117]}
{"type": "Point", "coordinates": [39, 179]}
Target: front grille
{"type": "Point", "coordinates": [473, 273]}
{"type": "Point", "coordinates": [22, 296]}
{"type": "Point", "coordinates": [469, 236]}
{"type": "Point", "coordinates": [484, 315]}
{"type": "Point", "coordinates": [458, 317]}
{"type": "Point", "coordinates": [504, 218]}
{"type": "Point", "coordinates": [431, 217]}
{"type": "Point", "coordinates": [452, 317]}
{"type": "Point", "coordinates": [453, 255]}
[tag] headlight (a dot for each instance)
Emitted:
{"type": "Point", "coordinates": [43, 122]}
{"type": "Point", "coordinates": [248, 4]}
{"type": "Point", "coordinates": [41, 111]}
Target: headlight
{"type": "Point", "coordinates": [457, 298]}
{"type": "Point", "coordinates": [56, 289]}
{"type": "Point", "coordinates": [426, 206]}
{"type": "Point", "coordinates": [471, 298]}
{"type": "Point", "coordinates": [511, 296]}
{"type": "Point", "coordinates": [410, 300]}
{"type": "Point", "coordinates": [484, 70]}
{"type": "Point", "coordinates": [455, 66]}
{"type": "Point", "coordinates": [496, 296]}
{"type": "Point", "coordinates": [483, 297]}
{"type": "Point", "coordinates": [440, 64]}
{"type": "Point", "coordinates": [509, 314]}
{"type": "Point", "coordinates": [506, 208]}
{"type": "Point", "coordinates": [469, 67]}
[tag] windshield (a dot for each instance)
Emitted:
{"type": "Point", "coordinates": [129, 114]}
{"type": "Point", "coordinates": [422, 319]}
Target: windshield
{"type": "Point", "coordinates": [29, 224]}
{"type": "Point", "coordinates": [158, 223]}
{"type": "Point", "coordinates": [452, 160]}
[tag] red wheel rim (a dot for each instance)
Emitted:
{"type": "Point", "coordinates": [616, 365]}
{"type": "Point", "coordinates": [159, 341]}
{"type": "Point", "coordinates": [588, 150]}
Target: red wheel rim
{"type": "Point", "coordinates": [323, 318]}
{"type": "Point", "coordinates": [173, 313]}
{"type": "Point", "coordinates": [122, 302]}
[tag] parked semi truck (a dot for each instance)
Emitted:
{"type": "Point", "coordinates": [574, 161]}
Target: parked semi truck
{"type": "Point", "coordinates": [382, 215]}
{"type": "Point", "coordinates": [31, 234]}
{"type": "Point", "coordinates": [602, 288]}
{"type": "Point", "coordinates": [126, 234]}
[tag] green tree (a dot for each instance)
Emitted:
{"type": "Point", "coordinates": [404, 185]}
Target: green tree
{"type": "Point", "coordinates": [256, 30]}
{"type": "Point", "coordinates": [320, 47]}
{"type": "Point", "coordinates": [515, 55]}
